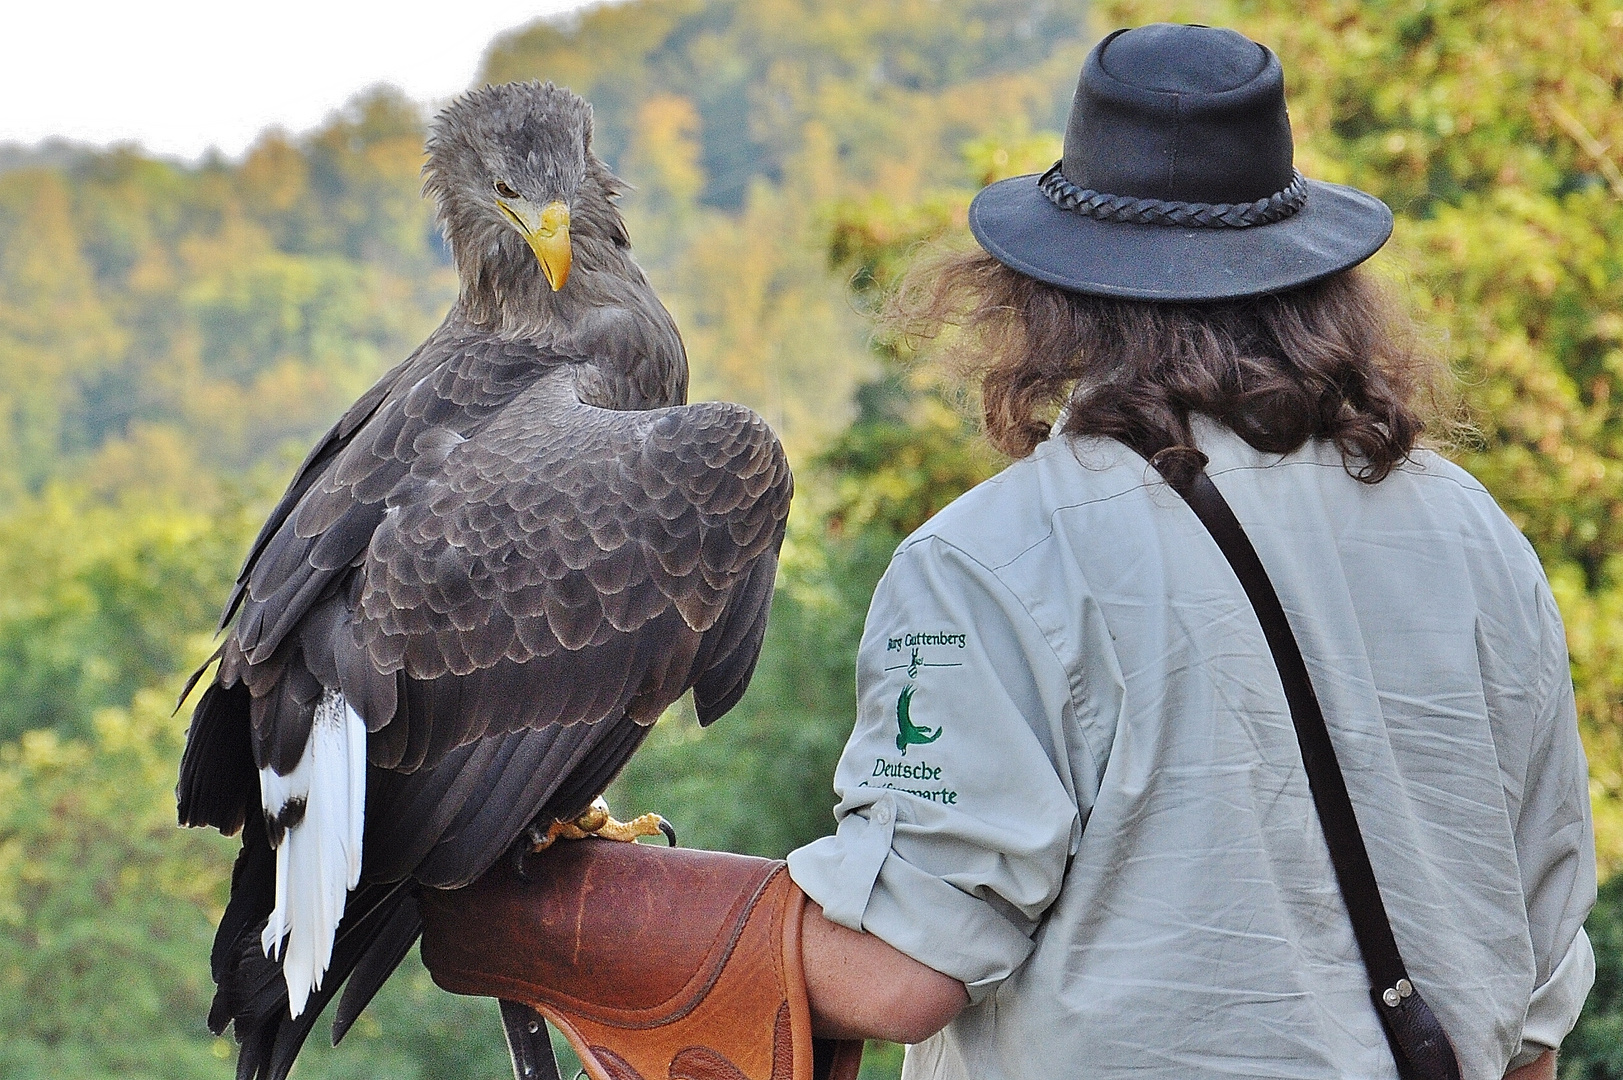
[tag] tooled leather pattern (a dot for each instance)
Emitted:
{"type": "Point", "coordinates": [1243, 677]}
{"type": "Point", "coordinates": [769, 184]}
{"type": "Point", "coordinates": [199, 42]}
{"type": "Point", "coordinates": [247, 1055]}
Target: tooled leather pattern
{"type": "Point", "coordinates": [783, 1046]}
{"type": "Point", "coordinates": [616, 1066]}
{"type": "Point", "coordinates": [704, 1063]}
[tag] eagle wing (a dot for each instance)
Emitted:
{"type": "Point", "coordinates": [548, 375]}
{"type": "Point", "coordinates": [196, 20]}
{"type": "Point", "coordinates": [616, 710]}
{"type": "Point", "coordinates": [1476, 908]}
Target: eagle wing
{"type": "Point", "coordinates": [485, 555]}
{"type": "Point", "coordinates": [562, 529]}
{"type": "Point", "coordinates": [564, 565]}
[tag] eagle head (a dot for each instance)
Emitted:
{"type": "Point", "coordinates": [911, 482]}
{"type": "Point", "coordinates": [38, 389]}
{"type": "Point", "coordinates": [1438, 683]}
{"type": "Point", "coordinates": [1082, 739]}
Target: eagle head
{"type": "Point", "coordinates": [522, 199]}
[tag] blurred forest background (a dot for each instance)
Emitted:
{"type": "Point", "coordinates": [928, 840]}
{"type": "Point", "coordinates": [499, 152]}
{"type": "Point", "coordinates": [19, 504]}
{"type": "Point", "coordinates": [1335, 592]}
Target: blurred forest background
{"type": "Point", "coordinates": [172, 337]}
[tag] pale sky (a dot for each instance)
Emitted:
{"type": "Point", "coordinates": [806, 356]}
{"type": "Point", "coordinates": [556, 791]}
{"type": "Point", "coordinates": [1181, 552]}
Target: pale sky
{"type": "Point", "coordinates": [180, 76]}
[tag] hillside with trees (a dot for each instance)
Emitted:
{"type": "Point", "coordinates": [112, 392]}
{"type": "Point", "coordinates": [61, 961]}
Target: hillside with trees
{"type": "Point", "coordinates": [172, 337]}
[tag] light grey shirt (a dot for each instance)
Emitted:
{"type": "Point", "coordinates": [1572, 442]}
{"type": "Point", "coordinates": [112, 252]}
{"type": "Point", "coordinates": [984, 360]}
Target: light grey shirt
{"type": "Point", "coordinates": [1073, 783]}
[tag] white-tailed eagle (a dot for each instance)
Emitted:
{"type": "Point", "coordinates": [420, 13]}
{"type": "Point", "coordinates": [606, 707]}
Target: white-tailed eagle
{"type": "Point", "coordinates": [482, 587]}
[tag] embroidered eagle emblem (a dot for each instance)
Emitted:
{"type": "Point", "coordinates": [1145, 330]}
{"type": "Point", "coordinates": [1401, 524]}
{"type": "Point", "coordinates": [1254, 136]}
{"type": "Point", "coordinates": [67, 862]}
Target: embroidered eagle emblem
{"type": "Point", "coordinates": [907, 732]}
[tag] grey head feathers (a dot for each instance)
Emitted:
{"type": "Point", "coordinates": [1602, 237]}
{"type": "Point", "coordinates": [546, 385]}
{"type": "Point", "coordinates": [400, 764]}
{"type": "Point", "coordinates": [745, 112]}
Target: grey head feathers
{"type": "Point", "coordinates": [534, 140]}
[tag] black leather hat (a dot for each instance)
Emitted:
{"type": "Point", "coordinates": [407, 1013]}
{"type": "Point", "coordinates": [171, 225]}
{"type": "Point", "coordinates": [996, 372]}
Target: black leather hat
{"type": "Point", "coordinates": [1177, 181]}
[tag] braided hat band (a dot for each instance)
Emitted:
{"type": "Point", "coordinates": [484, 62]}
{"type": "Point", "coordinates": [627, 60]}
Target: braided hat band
{"type": "Point", "coordinates": [1124, 208]}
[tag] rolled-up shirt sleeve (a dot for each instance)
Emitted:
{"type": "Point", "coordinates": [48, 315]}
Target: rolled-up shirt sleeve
{"type": "Point", "coordinates": [956, 813]}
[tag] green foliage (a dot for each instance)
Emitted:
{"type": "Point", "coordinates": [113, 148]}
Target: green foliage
{"type": "Point", "coordinates": [106, 912]}
{"type": "Point", "coordinates": [895, 87]}
{"type": "Point", "coordinates": [172, 337]}
{"type": "Point", "coordinates": [101, 601]}
{"type": "Point", "coordinates": [232, 307]}
{"type": "Point", "coordinates": [1594, 1050]}
{"type": "Point", "coordinates": [56, 335]}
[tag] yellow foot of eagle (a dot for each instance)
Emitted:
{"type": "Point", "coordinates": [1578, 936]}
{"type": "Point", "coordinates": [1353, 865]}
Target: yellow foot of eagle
{"type": "Point", "coordinates": [596, 821]}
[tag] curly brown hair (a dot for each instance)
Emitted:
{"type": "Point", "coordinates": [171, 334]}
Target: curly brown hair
{"type": "Point", "coordinates": [1334, 360]}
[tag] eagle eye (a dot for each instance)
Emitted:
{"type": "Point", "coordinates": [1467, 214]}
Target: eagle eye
{"type": "Point", "coordinates": [505, 191]}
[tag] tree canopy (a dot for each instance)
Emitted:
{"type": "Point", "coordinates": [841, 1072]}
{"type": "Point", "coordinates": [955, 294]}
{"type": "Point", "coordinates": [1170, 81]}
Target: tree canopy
{"type": "Point", "coordinates": [172, 337]}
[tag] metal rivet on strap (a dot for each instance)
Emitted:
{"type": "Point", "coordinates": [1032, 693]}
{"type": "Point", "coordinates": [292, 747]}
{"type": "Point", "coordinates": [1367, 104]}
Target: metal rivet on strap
{"type": "Point", "coordinates": [1391, 997]}
{"type": "Point", "coordinates": [533, 1027]}
{"type": "Point", "coordinates": [1404, 988]}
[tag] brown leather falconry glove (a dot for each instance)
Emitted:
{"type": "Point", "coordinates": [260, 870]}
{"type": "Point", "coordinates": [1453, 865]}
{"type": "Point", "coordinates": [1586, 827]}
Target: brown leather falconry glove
{"type": "Point", "coordinates": [655, 963]}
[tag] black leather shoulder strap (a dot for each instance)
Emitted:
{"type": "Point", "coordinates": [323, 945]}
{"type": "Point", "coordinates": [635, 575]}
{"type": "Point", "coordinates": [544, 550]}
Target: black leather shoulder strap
{"type": "Point", "coordinates": [1418, 1042]}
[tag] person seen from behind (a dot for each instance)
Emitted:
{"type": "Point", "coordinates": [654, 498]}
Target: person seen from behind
{"type": "Point", "coordinates": [1076, 835]}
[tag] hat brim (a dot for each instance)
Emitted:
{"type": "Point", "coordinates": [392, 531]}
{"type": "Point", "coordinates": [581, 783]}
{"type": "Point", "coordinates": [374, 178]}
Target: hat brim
{"type": "Point", "coordinates": [1336, 228]}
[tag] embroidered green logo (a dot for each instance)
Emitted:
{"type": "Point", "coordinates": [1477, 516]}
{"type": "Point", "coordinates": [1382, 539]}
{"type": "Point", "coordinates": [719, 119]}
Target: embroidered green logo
{"type": "Point", "coordinates": [907, 732]}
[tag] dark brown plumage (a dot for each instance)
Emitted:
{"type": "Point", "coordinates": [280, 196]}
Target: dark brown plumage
{"type": "Point", "coordinates": [508, 558]}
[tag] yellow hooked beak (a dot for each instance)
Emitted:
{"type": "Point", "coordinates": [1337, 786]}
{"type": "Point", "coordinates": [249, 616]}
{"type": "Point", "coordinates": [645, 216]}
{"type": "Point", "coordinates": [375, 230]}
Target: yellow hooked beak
{"type": "Point", "coordinates": [547, 231]}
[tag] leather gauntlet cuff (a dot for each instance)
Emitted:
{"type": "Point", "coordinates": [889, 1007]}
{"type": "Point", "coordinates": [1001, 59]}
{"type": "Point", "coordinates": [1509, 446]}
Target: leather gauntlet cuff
{"type": "Point", "coordinates": [655, 963]}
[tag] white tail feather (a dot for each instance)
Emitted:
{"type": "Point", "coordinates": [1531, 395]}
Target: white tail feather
{"type": "Point", "coordinates": [318, 859]}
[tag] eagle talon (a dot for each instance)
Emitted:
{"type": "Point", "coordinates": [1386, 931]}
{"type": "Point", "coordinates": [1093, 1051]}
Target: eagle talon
{"type": "Point", "coordinates": [529, 842]}
{"type": "Point", "coordinates": [519, 851]}
{"type": "Point", "coordinates": [624, 831]}
{"type": "Point", "coordinates": [558, 830]}
{"type": "Point", "coordinates": [596, 821]}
